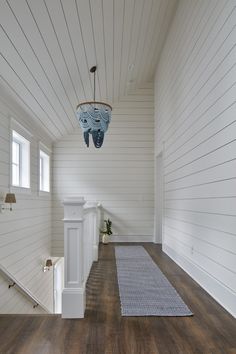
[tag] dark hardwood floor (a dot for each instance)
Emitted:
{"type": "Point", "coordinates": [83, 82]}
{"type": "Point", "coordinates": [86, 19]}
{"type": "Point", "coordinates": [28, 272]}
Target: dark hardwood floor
{"type": "Point", "coordinates": [104, 331]}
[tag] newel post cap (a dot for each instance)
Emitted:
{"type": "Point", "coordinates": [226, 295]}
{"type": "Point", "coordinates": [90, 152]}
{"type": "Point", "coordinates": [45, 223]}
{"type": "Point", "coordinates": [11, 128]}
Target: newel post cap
{"type": "Point", "coordinates": [74, 201]}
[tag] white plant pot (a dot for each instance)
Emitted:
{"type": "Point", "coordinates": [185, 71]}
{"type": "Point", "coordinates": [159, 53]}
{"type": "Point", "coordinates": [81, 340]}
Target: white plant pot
{"type": "Point", "coordinates": [105, 239]}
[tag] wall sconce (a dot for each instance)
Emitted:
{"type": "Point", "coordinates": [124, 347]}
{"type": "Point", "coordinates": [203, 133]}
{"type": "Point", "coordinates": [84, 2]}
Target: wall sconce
{"type": "Point", "coordinates": [9, 199]}
{"type": "Point", "coordinates": [48, 265]}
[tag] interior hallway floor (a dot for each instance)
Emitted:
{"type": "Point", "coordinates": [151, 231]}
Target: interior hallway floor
{"type": "Point", "coordinates": [103, 331]}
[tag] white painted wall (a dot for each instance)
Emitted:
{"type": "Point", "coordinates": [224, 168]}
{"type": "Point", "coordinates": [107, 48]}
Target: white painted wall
{"type": "Point", "coordinates": [25, 233]}
{"type": "Point", "coordinates": [119, 175]}
{"type": "Point", "coordinates": [195, 117]}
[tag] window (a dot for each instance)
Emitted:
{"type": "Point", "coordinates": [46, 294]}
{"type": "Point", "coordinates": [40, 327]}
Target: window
{"type": "Point", "coordinates": [15, 163]}
{"type": "Point", "coordinates": [44, 171]}
{"type": "Point", "coordinates": [20, 161]}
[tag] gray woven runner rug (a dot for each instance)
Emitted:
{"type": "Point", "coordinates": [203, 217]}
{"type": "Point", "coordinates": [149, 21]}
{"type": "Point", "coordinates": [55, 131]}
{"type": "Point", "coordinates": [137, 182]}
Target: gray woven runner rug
{"type": "Point", "coordinates": [144, 290]}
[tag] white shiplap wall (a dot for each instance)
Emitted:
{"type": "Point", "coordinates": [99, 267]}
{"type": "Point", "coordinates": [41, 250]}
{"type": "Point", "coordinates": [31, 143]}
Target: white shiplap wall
{"type": "Point", "coordinates": [25, 233]}
{"type": "Point", "coordinates": [195, 117]}
{"type": "Point", "coordinates": [48, 47]}
{"type": "Point", "coordinates": [119, 175]}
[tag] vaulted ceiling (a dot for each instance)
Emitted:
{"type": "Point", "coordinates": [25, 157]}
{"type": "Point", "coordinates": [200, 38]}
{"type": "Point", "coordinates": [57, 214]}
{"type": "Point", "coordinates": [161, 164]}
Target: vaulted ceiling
{"type": "Point", "coordinates": [48, 46]}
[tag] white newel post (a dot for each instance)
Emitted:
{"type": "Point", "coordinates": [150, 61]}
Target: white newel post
{"type": "Point", "coordinates": [73, 295]}
{"type": "Point", "coordinates": [92, 209]}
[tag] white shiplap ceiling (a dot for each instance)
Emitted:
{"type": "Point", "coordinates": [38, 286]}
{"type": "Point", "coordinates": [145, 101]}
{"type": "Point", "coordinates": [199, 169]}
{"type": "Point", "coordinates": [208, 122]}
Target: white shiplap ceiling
{"type": "Point", "coordinates": [48, 46]}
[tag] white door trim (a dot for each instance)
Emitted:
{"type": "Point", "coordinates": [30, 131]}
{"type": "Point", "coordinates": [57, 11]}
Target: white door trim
{"type": "Point", "coordinates": [159, 198]}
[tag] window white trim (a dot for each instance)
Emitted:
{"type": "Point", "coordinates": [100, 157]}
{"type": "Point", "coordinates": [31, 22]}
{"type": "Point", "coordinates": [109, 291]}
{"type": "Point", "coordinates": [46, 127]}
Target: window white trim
{"type": "Point", "coordinates": [23, 162]}
{"type": "Point", "coordinates": [25, 133]}
{"type": "Point", "coordinates": [44, 169]}
{"type": "Point", "coordinates": [20, 190]}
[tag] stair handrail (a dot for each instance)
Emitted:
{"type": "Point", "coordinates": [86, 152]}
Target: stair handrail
{"type": "Point", "coordinates": [21, 288]}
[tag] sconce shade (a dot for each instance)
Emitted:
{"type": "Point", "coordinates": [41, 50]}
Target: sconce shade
{"type": "Point", "coordinates": [10, 198]}
{"type": "Point", "coordinates": [48, 263]}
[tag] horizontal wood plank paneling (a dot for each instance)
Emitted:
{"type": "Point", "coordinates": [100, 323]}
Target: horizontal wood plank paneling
{"type": "Point", "coordinates": [48, 48]}
{"type": "Point", "coordinates": [25, 233]}
{"type": "Point", "coordinates": [119, 175]}
{"type": "Point", "coordinates": [195, 110]}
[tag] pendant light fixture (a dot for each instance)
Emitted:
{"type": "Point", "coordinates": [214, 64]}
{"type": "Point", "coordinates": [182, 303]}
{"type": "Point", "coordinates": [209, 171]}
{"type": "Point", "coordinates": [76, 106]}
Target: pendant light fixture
{"type": "Point", "coordinates": [94, 117]}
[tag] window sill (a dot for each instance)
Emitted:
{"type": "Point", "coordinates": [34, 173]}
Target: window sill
{"type": "Point", "coordinates": [21, 190]}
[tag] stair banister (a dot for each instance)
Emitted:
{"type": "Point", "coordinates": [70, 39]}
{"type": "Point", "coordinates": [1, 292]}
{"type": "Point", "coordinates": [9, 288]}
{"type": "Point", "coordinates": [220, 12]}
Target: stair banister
{"type": "Point", "coordinates": [14, 282]}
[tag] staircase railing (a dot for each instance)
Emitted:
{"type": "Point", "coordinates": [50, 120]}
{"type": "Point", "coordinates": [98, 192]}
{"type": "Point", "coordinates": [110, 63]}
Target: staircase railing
{"type": "Point", "coordinates": [81, 239]}
{"type": "Point", "coordinates": [13, 282]}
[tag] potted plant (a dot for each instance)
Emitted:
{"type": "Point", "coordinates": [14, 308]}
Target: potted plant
{"type": "Point", "coordinates": [106, 232]}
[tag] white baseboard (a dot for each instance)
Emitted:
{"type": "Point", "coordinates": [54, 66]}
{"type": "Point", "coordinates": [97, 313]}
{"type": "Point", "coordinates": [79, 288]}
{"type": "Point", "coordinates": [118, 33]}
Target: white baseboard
{"type": "Point", "coordinates": [223, 295]}
{"type": "Point", "coordinates": [131, 238]}
{"type": "Point", "coordinates": [73, 302]}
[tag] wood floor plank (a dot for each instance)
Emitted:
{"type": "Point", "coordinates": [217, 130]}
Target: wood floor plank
{"type": "Point", "coordinates": [103, 331]}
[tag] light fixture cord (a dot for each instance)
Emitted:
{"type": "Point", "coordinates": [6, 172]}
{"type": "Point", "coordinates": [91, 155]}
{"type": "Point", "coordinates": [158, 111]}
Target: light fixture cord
{"type": "Point", "coordinates": [94, 87]}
